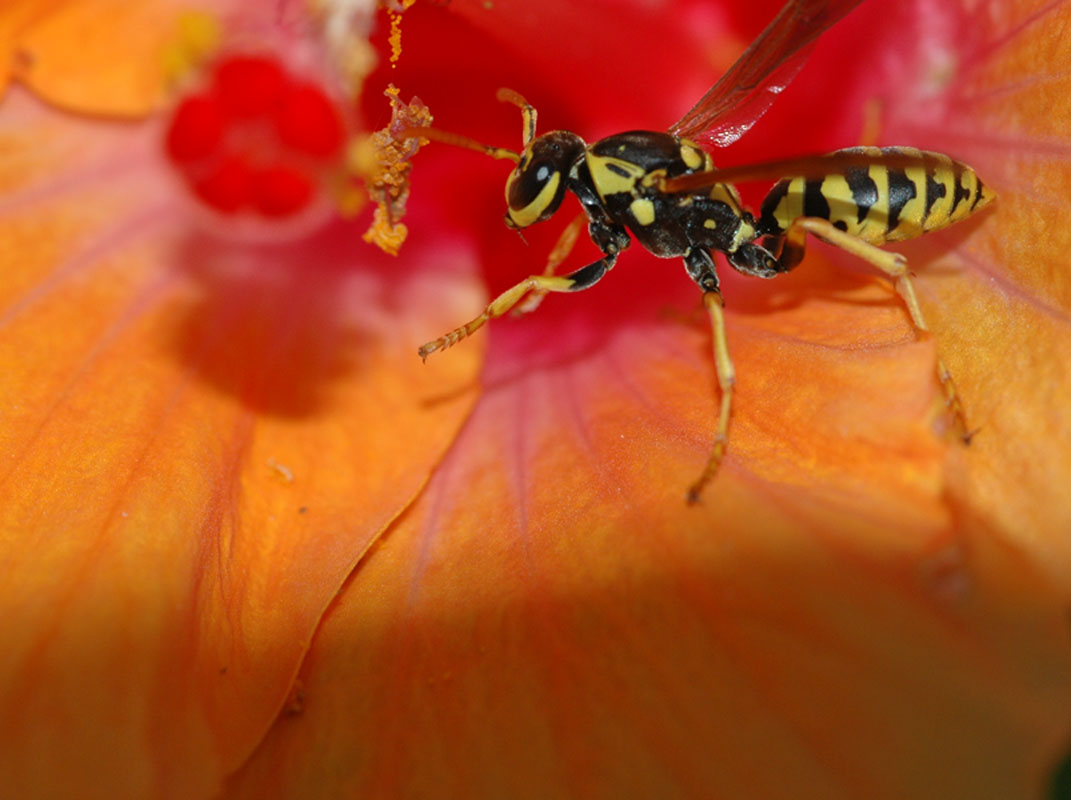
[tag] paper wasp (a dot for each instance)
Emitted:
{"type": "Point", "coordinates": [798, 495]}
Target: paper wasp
{"type": "Point", "coordinates": [662, 189]}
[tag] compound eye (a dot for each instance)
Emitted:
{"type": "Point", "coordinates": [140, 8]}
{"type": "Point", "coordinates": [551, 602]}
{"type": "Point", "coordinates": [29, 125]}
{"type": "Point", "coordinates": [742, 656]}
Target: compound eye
{"type": "Point", "coordinates": [533, 192]}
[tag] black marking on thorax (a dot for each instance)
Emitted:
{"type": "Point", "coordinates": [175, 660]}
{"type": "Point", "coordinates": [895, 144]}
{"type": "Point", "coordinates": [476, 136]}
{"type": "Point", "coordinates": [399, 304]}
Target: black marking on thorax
{"type": "Point", "coordinates": [650, 150]}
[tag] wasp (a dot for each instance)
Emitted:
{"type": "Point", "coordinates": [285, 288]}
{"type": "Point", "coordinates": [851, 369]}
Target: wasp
{"type": "Point", "coordinates": [662, 189]}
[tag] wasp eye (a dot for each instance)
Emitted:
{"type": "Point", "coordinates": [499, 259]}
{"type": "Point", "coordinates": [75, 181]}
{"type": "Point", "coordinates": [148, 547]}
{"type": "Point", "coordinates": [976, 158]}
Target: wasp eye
{"type": "Point", "coordinates": [534, 192]}
{"type": "Point", "coordinates": [527, 181]}
{"type": "Point", "coordinates": [536, 187]}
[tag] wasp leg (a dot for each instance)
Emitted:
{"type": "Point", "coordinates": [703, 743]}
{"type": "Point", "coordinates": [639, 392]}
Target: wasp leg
{"type": "Point", "coordinates": [701, 269]}
{"type": "Point", "coordinates": [609, 236]}
{"type": "Point", "coordinates": [562, 248]}
{"type": "Point", "coordinates": [528, 112]}
{"type": "Point", "coordinates": [726, 378]}
{"type": "Point", "coordinates": [573, 282]}
{"type": "Point", "coordinates": [892, 264]}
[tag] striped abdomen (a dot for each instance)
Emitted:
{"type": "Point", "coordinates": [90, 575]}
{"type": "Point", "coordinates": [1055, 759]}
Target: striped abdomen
{"type": "Point", "coordinates": [916, 192]}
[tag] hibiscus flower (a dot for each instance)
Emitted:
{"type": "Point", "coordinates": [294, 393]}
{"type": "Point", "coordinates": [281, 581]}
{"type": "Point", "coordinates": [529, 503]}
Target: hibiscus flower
{"type": "Point", "coordinates": [253, 547]}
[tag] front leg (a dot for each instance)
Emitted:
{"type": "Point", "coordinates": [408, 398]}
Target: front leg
{"type": "Point", "coordinates": [608, 235]}
{"type": "Point", "coordinates": [561, 250]}
{"type": "Point", "coordinates": [609, 238]}
{"type": "Point", "coordinates": [573, 282]}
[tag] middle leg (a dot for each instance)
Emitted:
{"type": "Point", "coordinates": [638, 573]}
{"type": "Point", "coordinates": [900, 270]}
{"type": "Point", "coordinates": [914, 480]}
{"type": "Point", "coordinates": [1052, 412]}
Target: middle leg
{"type": "Point", "coordinates": [726, 378]}
{"type": "Point", "coordinates": [701, 269]}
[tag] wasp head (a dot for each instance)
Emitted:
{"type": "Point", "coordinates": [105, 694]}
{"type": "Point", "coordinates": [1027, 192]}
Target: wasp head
{"type": "Point", "coordinates": [535, 188]}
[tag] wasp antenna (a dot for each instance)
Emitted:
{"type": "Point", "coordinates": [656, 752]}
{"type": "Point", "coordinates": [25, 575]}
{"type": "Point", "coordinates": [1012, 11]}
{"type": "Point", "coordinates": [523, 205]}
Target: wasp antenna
{"type": "Point", "coordinates": [528, 112]}
{"type": "Point", "coordinates": [457, 140]}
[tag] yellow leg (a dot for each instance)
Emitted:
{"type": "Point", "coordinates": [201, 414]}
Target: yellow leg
{"type": "Point", "coordinates": [562, 248]}
{"type": "Point", "coordinates": [895, 266]}
{"type": "Point", "coordinates": [573, 282]}
{"type": "Point", "coordinates": [726, 378]}
{"type": "Point", "coordinates": [528, 112]}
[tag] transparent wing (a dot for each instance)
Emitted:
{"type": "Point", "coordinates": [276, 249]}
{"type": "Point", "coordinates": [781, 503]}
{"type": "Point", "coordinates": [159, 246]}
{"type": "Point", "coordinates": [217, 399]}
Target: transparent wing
{"type": "Point", "coordinates": [750, 86]}
{"type": "Point", "coordinates": [808, 166]}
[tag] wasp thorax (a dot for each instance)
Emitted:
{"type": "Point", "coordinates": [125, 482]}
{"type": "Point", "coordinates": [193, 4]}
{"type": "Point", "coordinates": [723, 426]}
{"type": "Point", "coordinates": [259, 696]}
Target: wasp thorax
{"type": "Point", "coordinates": [535, 189]}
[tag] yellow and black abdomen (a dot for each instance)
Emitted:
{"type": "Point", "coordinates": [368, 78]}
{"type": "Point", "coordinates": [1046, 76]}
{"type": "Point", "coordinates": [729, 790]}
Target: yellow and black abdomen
{"type": "Point", "coordinates": [914, 193]}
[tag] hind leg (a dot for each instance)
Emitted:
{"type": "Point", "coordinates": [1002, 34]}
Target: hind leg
{"type": "Point", "coordinates": [892, 264]}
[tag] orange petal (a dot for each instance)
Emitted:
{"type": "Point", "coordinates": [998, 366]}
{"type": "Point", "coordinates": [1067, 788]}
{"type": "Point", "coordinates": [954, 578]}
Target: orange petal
{"type": "Point", "coordinates": [1000, 299]}
{"type": "Point", "coordinates": [550, 619]}
{"type": "Point", "coordinates": [90, 56]}
{"type": "Point", "coordinates": [14, 18]}
{"type": "Point", "coordinates": [199, 441]}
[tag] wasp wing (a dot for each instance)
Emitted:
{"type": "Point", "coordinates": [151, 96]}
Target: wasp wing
{"type": "Point", "coordinates": [809, 166]}
{"type": "Point", "coordinates": [752, 83]}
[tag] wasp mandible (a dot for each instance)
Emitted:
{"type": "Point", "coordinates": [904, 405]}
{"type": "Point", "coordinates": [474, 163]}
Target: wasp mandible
{"type": "Point", "coordinates": [662, 189]}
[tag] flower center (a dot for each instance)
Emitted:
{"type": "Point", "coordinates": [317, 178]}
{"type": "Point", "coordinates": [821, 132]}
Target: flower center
{"type": "Point", "coordinates": [256, 139]}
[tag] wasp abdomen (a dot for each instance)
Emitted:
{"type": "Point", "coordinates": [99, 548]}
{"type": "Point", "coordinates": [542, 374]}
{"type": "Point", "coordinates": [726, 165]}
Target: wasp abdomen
{"type": "Point", "coordinates": [914, 193]}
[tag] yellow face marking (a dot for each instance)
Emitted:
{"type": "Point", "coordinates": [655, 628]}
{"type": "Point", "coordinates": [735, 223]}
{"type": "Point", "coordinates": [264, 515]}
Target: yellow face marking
{"type": "Point", "coordinates": [524, 217]}
{"type": "Point", "coordinates": [709, 224]}
{"type": "Point", "coordinates": [612, 175]}
{"type": "Point", "coordinates": [643, 210]}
